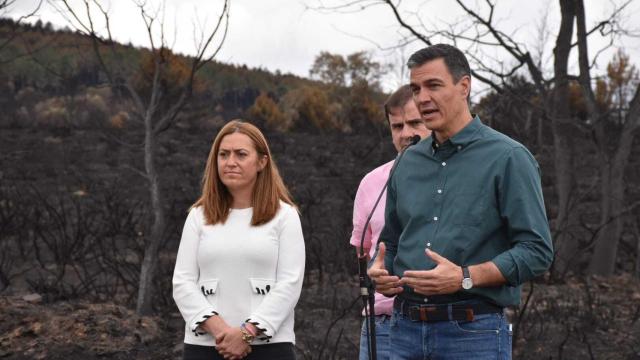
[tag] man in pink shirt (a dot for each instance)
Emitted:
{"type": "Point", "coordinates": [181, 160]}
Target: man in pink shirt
{"type": "Point", "coordinates": [404, 122]}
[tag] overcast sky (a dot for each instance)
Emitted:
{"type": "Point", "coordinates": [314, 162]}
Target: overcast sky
{"type": "Point", "coordinates": [285, 35]}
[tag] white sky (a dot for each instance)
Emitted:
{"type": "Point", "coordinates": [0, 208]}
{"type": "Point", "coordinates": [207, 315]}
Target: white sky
{"type": "Point", "coordinates": [285, 35]}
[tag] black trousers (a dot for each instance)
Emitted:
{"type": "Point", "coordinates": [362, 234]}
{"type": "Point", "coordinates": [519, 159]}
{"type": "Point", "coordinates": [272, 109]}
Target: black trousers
{"type": "Point", "coordinates": [277, 351]}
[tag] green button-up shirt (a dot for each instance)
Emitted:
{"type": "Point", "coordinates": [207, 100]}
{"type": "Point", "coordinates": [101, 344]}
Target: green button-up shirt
{"type": "Point", "coordinates": [475, 198]}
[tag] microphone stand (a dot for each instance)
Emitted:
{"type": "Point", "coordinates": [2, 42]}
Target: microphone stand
{"type": "Point", "coordinates": [367, 288]}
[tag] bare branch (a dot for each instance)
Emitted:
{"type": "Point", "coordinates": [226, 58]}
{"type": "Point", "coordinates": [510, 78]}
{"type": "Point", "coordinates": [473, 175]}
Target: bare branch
{"type": "Point", "coordinates": [5, 4]}
{"type": "Point", "coordinates": [613, 22]}
{"type": "Point", "coordinates": [348, 7]}
{"type": "Point", "coordinates": [148, 22]}
{"type": "Point", "coordinates": [508, 44]}
{"type": "Point", "coordinates": [105, 14]}
{"type": "Point", "coordinates": [198, 61]}
{"type": "Point", "coordinates": [402, 23]}
{"type": "Point", "coordinates": [136, 170]}
{"type": "Point", "coordinates": [505, 41]}
{"type": "Point", "coordinates": [109, 136]}
{"type": "Point", "coordinates": [502, 40]}
{"type": "Point", "coordinates": [73, 19]}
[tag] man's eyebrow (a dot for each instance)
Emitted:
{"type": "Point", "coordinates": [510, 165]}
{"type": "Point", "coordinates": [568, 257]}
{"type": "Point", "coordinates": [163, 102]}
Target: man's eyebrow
{"type": "Point", "coordinates": [432, 80]}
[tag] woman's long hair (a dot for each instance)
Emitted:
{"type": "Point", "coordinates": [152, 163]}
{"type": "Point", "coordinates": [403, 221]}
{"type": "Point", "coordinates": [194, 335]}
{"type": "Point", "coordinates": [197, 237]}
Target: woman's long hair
{"type": "Point", "coordinates": [268, 189]}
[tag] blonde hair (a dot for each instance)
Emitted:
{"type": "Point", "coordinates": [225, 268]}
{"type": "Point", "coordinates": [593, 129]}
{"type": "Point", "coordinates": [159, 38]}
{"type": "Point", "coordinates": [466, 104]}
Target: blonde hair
{"type": "Point", "coordinates": [268, 190]}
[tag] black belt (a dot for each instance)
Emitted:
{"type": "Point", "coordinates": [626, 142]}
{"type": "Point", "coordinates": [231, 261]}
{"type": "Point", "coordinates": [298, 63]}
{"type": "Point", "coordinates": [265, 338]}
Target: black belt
{"type": "Point", "coordinates": [441, 312]}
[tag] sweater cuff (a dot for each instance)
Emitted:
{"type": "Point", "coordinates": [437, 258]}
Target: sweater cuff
{"type": "Point", "coordinates": [200, 318]}
{"type": "Point", "coordinates": [266, 330]}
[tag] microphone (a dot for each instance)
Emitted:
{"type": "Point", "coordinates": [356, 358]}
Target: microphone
{"type": "Point", "coordinates": [367, 289]}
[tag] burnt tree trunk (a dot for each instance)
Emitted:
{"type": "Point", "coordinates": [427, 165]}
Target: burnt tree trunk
{"type": "Point", "coordinates": [562, 128]}
{"type": "Point", "coordinates": [150, 260]}
{"type": "Point", "coordinates": [612, 168]}
{"type": "Point", "coordinates": [606, 246]}
{"type": "Point", "coordinates": [152, 243]}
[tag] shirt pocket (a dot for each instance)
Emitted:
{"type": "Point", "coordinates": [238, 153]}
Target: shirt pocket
{"type": "Point", "coordinates": [468, 208]}
{"type": "Point", "coordinates": [259, 290]}
{"type": "Point", "coordinates": [209, 288]}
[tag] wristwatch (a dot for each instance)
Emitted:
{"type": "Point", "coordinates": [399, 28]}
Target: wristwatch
{"type": "Point", "coordinates": [467, 283]}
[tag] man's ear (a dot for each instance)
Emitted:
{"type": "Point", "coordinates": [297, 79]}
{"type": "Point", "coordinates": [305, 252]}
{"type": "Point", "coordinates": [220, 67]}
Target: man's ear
{"type": "Point", "coordinates": [465, 86]}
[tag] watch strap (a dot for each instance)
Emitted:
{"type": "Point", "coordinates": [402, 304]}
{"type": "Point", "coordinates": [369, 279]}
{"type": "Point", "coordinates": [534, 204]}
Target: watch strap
{"type": "Point", "coordinates": [465, 272]}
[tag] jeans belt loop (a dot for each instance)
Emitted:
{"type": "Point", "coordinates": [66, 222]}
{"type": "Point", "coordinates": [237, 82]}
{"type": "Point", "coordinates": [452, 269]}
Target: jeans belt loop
{"type": "Point", "coordinates": [450, 312]}
{"type": "Point", "coordinates": [469, 314]}
{"type": "Point", "coordinates": [423, 313]}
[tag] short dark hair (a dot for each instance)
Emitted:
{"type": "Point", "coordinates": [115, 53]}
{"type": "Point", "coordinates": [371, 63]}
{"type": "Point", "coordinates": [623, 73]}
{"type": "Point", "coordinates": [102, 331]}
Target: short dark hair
{"type": "Point", "coordinates": [454, 59]}
{"type": "Point", "coordinates": [398, 99]}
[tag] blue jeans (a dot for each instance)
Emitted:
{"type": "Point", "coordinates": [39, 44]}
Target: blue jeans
{"type": "Point", "coordinates": [488, 336]}
{"type": "Point", "coordinates": [382, 338]}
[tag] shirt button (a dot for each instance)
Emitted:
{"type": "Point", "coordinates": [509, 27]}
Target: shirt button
{"type": "Point", "coordinates": [435, 218]}
{"type": "Point", "coordinates": [428, 244]}
{"type": "Point", "coordinates": [439, 191]}
{"type": "Point", "coordinates": [444, 163]}
{"type": "Point", "coordinates": [459, 147]}
{"type": "Point", "coordinates": [426, 300]}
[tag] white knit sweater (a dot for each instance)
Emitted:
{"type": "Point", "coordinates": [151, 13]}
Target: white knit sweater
{"type": "Point", "coordinates": [240, 272]}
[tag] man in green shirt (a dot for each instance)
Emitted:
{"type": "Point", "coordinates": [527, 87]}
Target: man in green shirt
{"type": "Point", "coordinates": [465, 224]}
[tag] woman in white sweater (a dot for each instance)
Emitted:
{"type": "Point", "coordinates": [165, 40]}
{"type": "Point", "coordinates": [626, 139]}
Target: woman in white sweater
{"type": "Point", "coordinates": [240, 264]}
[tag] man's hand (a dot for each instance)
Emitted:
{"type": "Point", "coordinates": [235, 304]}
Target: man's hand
{"type": "Point", "coordinates": [445, 278]}
{"type": "Point", "coordinates": [385, 284]}
{"type": "Point", "coordinates": [230, 345]}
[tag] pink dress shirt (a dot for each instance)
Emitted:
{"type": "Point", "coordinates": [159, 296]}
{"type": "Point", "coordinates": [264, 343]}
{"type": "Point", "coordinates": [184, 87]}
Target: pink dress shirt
{"type": "Point", "coordinates": [366, 196]}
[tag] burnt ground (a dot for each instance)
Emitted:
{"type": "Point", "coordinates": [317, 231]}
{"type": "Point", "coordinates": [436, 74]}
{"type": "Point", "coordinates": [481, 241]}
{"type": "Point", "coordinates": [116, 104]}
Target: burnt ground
{"type": "Point", "coordinates": [72, 221]}
{"type": "Point", "coordinates": [594, 319]}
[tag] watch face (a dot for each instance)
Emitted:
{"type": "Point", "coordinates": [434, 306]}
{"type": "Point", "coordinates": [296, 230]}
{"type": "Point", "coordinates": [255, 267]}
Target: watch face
{"type": "Point", "coordinates": [467, 283]}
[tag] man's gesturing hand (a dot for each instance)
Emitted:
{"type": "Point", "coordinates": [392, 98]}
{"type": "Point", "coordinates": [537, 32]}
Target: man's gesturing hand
{"type": "Point", "coordinates": [445, 278]}
{"type": "Point", "coordinates": [385, 284]}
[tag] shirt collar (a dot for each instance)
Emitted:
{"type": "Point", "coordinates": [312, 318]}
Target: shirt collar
{"type": "Point", "coordinates": [468, 134]}
{"type": "Point", "coordinates": [464, 137]}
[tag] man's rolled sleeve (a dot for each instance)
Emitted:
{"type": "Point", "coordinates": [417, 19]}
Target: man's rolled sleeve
{"type": "Point", "coordinates": [522, 209]}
